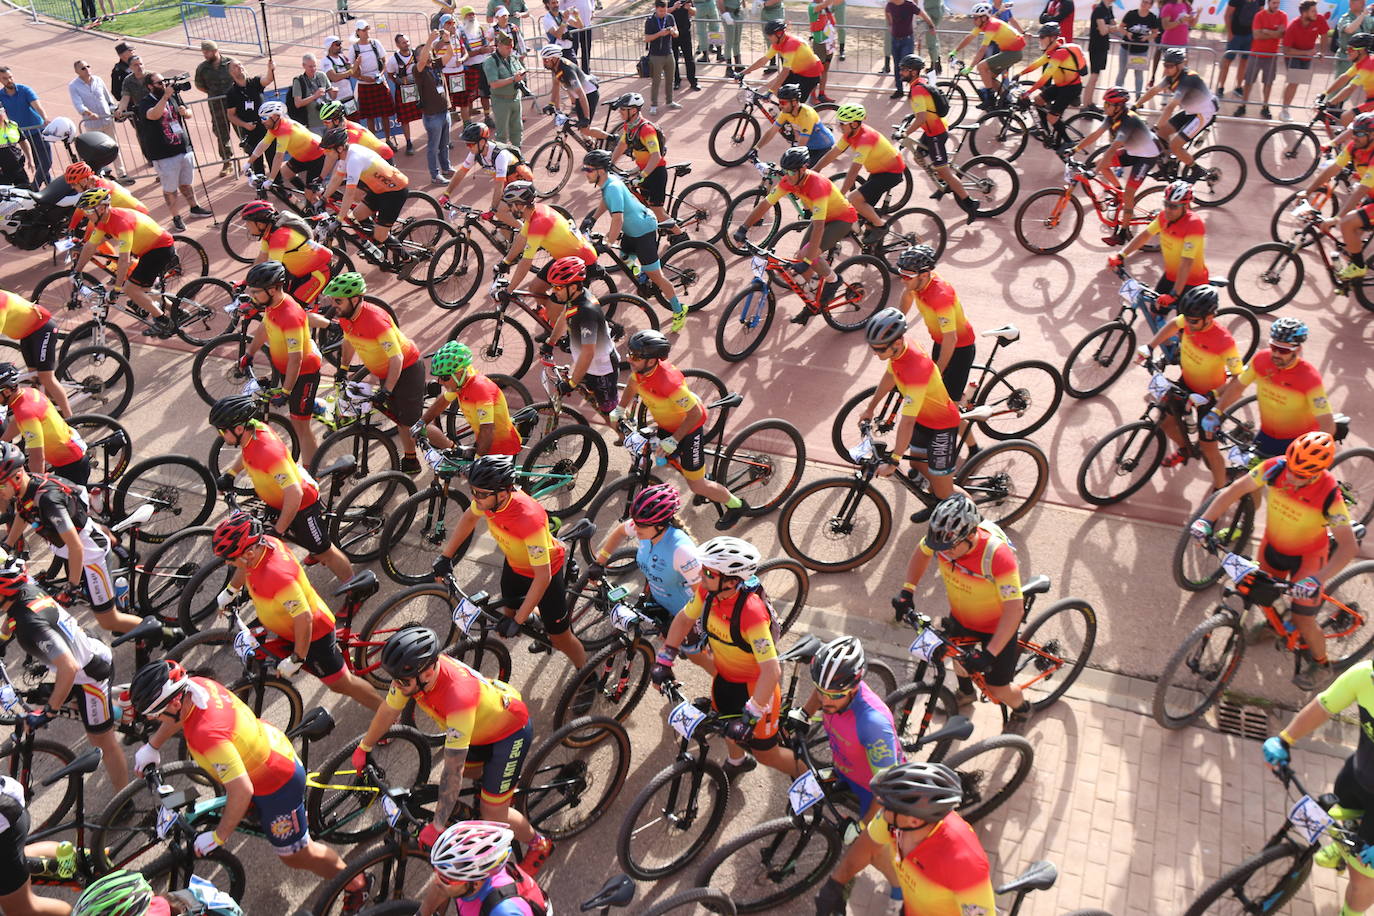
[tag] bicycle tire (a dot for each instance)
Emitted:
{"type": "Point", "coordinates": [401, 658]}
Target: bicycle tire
{"type": "Point", "coordinates": [1063, 218]}
{"type": "Point", "coordinates": [1194, 567]}
{"type": "Point", "coordinates": [365, 444]}
{"type": "Point", "coordinates": [198, 311]}
{"type": "Point", "coordinates": [393, 908]}
{"type": "Point", "coordinates": [172, 871]}
{"type": "Point", "coordinates": [1243, 327]}
{"type": "Point", "coordinates": [1225, 175]}
{"type": "Point", "coordinates": [1004, 135]}
{"type": "Point", "coordinates": [98, 380]}
{"type": "Point", "coordinates": [991, 183]}
{"type": "Point", "coordinates": [589, 613]}
{"type": "Point", "coordinates": [454, 273]}
{"type": "Point", "coordinates": [744, 323]}
{"type": "Point", "coordinates": [905, 701]}
{"type": "Point", "coordinates": [61, 756]}
{"type": "Point", "coordinates": [107, 437]}
{"type": "Point", "coordinates": [189, 259]}
{"type": "Point", "coordinates": [732, 137]}
{"type": "Point", "coordinates": [1353, 587]}
{"type": "Point", "coordinates": [421, 238]}
{"type": "Point", "coordinates": [1363, 291]}
{"type": "Point", "coordinates": [408, 551]}
{"type": "Point", "coordinates": [215, 371]}
{"type": "Point", "coordinates": [751, 877]}
{"type": "Point", "coordinates": [1000, 494]}
{"type": "Point", "coordinates": [761, 233]}
{"type": "Point", "coordinates": [586, 783]}
{"type": "Point", "coordinates": [55, 293]}
{"type": "Point", "coordinates": [356, 521]}
{"type": "Point", "coordinates": [349, 817]}
{"type": "Point", "coordinates": [233, 223]}
{"type": "Point", "coordinates": [1354, 470]}
{"type": "Point", "coordinates": [912, 226]}
{"type": "Point", "coordinates": [401, 872]}
{"type": "Point", "coordinates": [1099, 359]}
{"type": "Point", "coordinates": [695, 209]}
{"type": "Point", "coordinates": [987, 785]}
{"type": "Point", "coordinates": [788, 585]}
{"type": "Point", "coordinates": [270, 694]}
{"type": "Point", "coordinates": [617, 494]}
{"type": "Point", "coordinates": [1288, 154]}
{"type": "Point", "coordinates": [1026, 394]}
{"type": "Point", "coordinates": [626, 314]}
{"type": "Point", "coordinates": [1139, 453]}
{"type": "Point", "coordinates": [844, 431]}
{"type": "Point", "coordinates": [693, 901]}
{"type": "Point", "coordinates": [1223, 629]}
{"type": "Point", "coordinates": [208, 654]}
{"type": "Point", "coordinates": [491, 335]}
{"type": "Point", "coordinates": [181, 504]}
{"type": "Point", "coordinates": [760, 455]}
{"type": "Point", "coordinates": [95, 334]}
{"type": "Point", "coordinates": [1283, 226]}
{"type": "Point", "coordinates": [160, 577]}
{"type": "Point", "coordinates": [635, 860]}
{"type": "Point", "coordinates": [696, 271]}
{"type": "Point", "coordinates": [599, 689]}
{"type": "Point", "coordinates": [556, 468]}
{"type": "Point", "coordinates": [1291, 875]}
{"type": "Point", "coordinates": [197, 603]}
{"type": "Point", "coordinates": [552, 165]}
{"type": "Point", "coordinates": [864, 279]}
{"type": "Point", "coordinates": [835, 525]}
{"type": "Point", "coordinates": [427, 605]}
{"type": "Point", "coordinates": [116, 831]}
{"type": "Point", "coordinates": [1068, 622]}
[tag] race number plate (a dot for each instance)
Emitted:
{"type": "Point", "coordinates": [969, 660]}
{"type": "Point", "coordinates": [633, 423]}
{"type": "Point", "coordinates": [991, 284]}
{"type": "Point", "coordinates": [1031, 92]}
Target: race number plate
{"type": "Point", "coordinates": [245, 645]}
{"type": "Point", "coordinates": [464, 614]}
{"type": "Point", "coordinates": [927, 645]}
{"type": "Point", "coordinates": [623, 616]}
{"type": "Point", "coordinates": [685, 718]}
{"type": "Point", "coordinates": [1309, 818]}
{"type": "Point", "coordinates": [1238, 567]}
{"type": "Point", "coordinates": [760, 266]}
{"type": "Point", "coordinates": [166, 817]}
{"type": "Point", "coordinates": [805, 792]}
{"type": "Point", "coordinates": [392, 810]}
{"type": "Point", "coordinates": [1160, 386]}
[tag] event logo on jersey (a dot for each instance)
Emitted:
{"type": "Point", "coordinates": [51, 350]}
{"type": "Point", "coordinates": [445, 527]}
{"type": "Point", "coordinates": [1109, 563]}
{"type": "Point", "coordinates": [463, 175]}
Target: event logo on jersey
{"type": "Point", "coordinates": [762, 645]}
{"type": "Point", "coordinates": [284, 825]}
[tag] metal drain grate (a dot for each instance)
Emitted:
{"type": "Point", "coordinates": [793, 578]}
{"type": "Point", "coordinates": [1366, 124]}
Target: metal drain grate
{"type": "Point", "coordinates": [1242, 721]}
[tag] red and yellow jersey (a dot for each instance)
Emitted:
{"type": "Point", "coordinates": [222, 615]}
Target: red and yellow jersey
{"type": "Point", "coordinates": [288, 332]}
{"type": "Point", "coordinates": [281, 593]}
{"type": "Point", "coordinates": [119, 197]}
{"type": "Point", "coordinates": [1290, 400]}
{"type": "Point", "coordinates": [228, 741]}
{"type": "Point", "coordinates": [641, 141]}
{"type": "Point", "coordinates": [796, 55]}
{"type": "Point", "coordinates": [1185, 237]}
{"type": "Point", "coordinates": [873, 151]}
{"type": "Point", "coordinates": [366, 138]}
{"type": "Point", "coordinates": [947, 874]}
{"type": "Point", "coordinates": [272, 469]}
{"type": "Point", "coordinates": [1064, 65]}
{"type": "Point", "coordinates": [361, 166]}
{"type": "Point", "coordinates": [375, 338]}
{"type": "Point", "coordinates": [923, 102]}
{"type": "Point", "coordinates": [547, 229]}
{"type": "Point", "coordinates": [42, 426]}
{"type": "Point", "coordinates": [19, 317]}
{"type": "Point", "coordinates": [942, 312]}
{"type": "Point", "coordinates": [471, 709]}
{"type": "Point", "coordinates": [1003, 34]}
{"type": "Point", "coordinates": [918, 378]}
{"type": "Point", "coordinates": [977, 583]}
{"type": "Point", "coordinates": [1362, 75]}
{"type": "Point", "coordinates": [1361, 159]}
{"type": "Point", "coordinates": [131, 231]}
{"type": "Point", "coordinates": [1207, 357]}
{"type": "Point", "coordinates": [664, 391]}
{"type": "Point", "coordinates": [299, 254]}
{"type": "Point", "coordinates": [1299, 511]}
{"type": "Point", "coordinates": [296, 140]}
{"type": "Point", "coordinates": [817, 194]}
{"type": "Point", "coordinates": [737, 663]}
{"type": "Point", "coordinates": [521, 529]}
{"type": "Point", "coordinates": [482, 401]}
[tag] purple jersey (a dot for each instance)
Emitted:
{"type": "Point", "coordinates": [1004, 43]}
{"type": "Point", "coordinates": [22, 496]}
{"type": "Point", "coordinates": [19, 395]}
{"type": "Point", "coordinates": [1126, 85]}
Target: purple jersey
{"type": "Point", "coordinates": [863, 738]}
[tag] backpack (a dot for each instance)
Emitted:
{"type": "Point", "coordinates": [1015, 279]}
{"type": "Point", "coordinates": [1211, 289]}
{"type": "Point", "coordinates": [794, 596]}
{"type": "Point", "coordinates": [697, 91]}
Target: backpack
{"type": "Point", "coordinates": [937, 98]}
{"type": "Point", "coordinates": [288, 220]}
{"type": "Point", "coordinates": [523, 886]}
{"type": "Point", "coordinates": [751, 587]}
{"type": "Point", "coordinates": [662, 140]}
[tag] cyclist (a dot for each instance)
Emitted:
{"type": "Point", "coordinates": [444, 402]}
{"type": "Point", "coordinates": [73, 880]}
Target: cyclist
{"type": "Point", "coordinates": [595, 369]}
{"type": "Point", "coordinates": [372, 336]}
{"type": "Point", "coordinates": [832, 218]}
{"type": "Point", "coordinates": [503, 163]}
{"type": "Point", "coordinates": [134, 235]}
{"type": "Point", "coordinates": [934, 131]}
{"type": "Point", "coordinates": [800, 65]}
{"type": "Point", "coordinates": [982, 582]}
{"type": "Point", "coordinates": [939, 307]}
{"type": "Point", "coordinates": [873, 152]}
{"type": "Point", "coordinates": [1306, 510]}
{"type": "Point", "coordinates": [1360, 74]}
{"type": "Point", "coordinates": [1209, 358]}
{"type": "Point", "coordinates": [1196, 104]}
{"type": "Point", "coordinates": [31, 326]}
{"type": "Point", "coordinates": [472, 865]}
{"type": "Point", "coordinates": [16, 888]}
{"type": "Point", "coordinates": [542, 228]}
{"type": "Point", "coordinates": [82, 664]}
{"type": "Point", "coordinates": [287, 239]}
{"type": "Point", "coordinates": [286, 604]}
{"type": "Point", "coordinates": [1007, 45]}
{"type": "Point", "coordinates": [939, 861]}
{"type": "Point", "coordinates": [127, 893]}
{"type": "Point", "coordinates": [1182, 243]}
{"type": "Point", "coordinates": [383, 186]}
{"type": "Point", "coordinates": [930, 419]}
{"type": "Point", "coordinates": [484, 721]}
{"type": "Point", "coordinates": [581, 86]}
{"type": "Point", "coordinates": [1134, 149]}
{"type": "Point", "coordinates": [481, 401]}
{"type": "Point", "coordinates": [1354, 218]}
{"type": "Point", "coordinates": [253, 761]}
{"type": "Point", "coordinates": [1061, 81]}
{"type": "Point", "coordinates": [532, 574]}
{"type": "Point", "coordinates": [646, 145]}
{"type": "Point", "coordinates": [81, 177]}
{"type": "Point", "coordinates": [289, 136]}
{"type": "Point", "coordinates": [332, 115]}
{"type": "Point", "coordinates": [1292, 396]}
{"type": "Point", "coordinates": [285, 329]}
{"type": "Point", "coordinates": [742, 634]}
{"type": "Point", "coordinates": [677, 411]}
{"type": "Point", "coordinates": [633, 225]}
{"type": "Point", "coordinates": [51, 444]}
{"type": "Point", "coordinates": [802, 123]}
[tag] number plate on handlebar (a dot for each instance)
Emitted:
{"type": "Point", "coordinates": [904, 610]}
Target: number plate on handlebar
{"type": "Point", "coordinates": [927, 645]}
{"type": "Point", "coordinates": [1160, 386]}
{"type": "Point", "coordinates": [245, 645]}
{"type": "Point", "coordinates": [64, 245]}
{"type": "Point", "coordinates": [251, 386]}
{"type": "Point", "coordinates": [746, 97]}
{"type": "Point", "coordinates": [1237, 567]}
{"type": "Point", "coordinates": [805, 792]}
{"type": "Point", "coordinates": [623, 616]}
{"type": "Point", "coordinates": [9, 699]}
{"type": "Point", "coordinates": [1070, 172]}
{"type": "Point", "coordinates": [863, 451]}
{"type": "Point", "coordinates": [166, 819]}
{"type": "Point", "coordinates": [635, 443]}
{"type": "Point", "coordinates": [760, 266]}
{"type": "Point", "coordinates": [1130, 289]}
{"type": "Point", "coordinates": [685, 718]}
{"type": "Point", "coordinates": [1309, 818]}
{"type": "Point", "coordinates": [464, 614]}
{"type": "Point", "coordinates": [392, 810]}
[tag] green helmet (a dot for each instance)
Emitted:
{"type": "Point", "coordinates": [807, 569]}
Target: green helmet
{"type": "Point", "coordinates": [330, 110]}
{"type": "Point", "coordinates": [345, 286]}
{"type": "Point", "coordinates": [450, 359]}
{"type": "Point", "coordinates": [851, 111]}
{"type": "Point", "coordinates": [120, 893]}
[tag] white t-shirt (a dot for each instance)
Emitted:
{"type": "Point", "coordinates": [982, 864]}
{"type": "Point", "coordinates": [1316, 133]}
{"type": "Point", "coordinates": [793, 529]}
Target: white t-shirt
{"type": "Point", "coordinates": [396, 62]}
{"type": "Point", "coordinates": [371, 59]}
{"type": "Point", "coordinates": [341, 63]}
{"type": "Point", "coordinates": [548, 24]}
{"type": "Point", "coordinates": [585, 8]}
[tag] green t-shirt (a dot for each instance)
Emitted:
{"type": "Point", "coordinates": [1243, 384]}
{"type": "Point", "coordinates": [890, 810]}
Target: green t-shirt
{"type": "Point", "coordinates": [513, 7]}
{"type": "Point", "coordinates": [498, 68]}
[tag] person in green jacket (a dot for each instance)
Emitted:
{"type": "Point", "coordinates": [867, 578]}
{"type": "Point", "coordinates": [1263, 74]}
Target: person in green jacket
{"type": "Point", "coordinates": [506, 74]}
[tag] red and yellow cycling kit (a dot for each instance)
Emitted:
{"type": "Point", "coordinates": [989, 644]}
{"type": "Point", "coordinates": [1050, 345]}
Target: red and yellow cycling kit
{"type": "Point", "coordinates": [288, 332]}
{"type": "Point", "coordinates": [1362, 75]}
{"type": "Point", "coordinates": [547, 229]}
{"type": "Point", "coordinates": [918, 378]}
{"type": "Point", "coordinates": [978, 582]}
{"type": "Point", "coordinates": [281, 593]}
{"type": "Point", "coordinates": [366, 138]}
{"type": "Point", "coordinates": [922, 102]}
{"type": "Point", "coordinates": [947, 874]}
{"type": "Point", "coordinates": [1299, 511]}
{"type": "Point", "coordinates": [1002, 34]}
{"type": "Point", "coordinates": [228, 741]}
{"type": "Point", "coordinates": [665, 394]}
{"type": "Point", "coordinates": [272, 469]}
{"type": "Point", "coordinates": [1207, 357]}
{"type": "Point", "coordinates": [1064, 65]}
{"type": "Point", "coordinates": [119, 197]}
{"type": "Point", "coordinates": [375, 338]}
{"type": "Point", "coordinates": [817, 194]}
{"type": "Point", "coordinates": [361, 166]}
{"type": "Point", "coordinates": [641, 141]}
{"type": "Point", "coordinates": [1290, 400]}
{"type": "Point", "coordinates": [1185, 237]}
{"type": "Point", "coordinates": [19, 317]}
{"type": "Point", "coordinates": [42, 426]}
{"type": "Point", "coordinates": [873, 151]}
{"type": "Point", "coordinates": [796, 55]}
{"type": "Point", "coordinates": [296, 140]}
{"type": "Point", "coordinates": [1362, 159]}
{"type": "Point", "coordinates": [942, 312]}
{"type": "Point", "coordinates": [482, 402]}
{"type": "Point", "coordinates": [299, 254]}
{"type": "Point", "coordinates": [471, 709]}
{"type": "Point", "coordinates": [521, 530]}
{"type": "Point", "coordinates": [131, 231]}
{"type": "Point", "coordinates": [736, 662]}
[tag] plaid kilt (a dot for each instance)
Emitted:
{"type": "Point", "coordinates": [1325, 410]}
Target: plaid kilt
{"type": "Point", "coordinates": [374, 101]}
{"type": "Point", "coordinates": [407, 113]}
{"type": "Point", "coordinates": [469, 93]}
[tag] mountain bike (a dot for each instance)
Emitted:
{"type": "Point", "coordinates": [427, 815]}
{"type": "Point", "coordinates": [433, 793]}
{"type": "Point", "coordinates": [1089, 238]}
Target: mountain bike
{"type": "Point", "coordinates": [1289, 216]}
{"type": "Point", "coordinates": [1222, 175]}
{"type": "Point", "coordinates": [734, 136]}
{"type": "Point", "coordinates": [620, 890]}
{"type": "Point", "coordinates": [695, 269]}
{"type": "Point", "coordinates": [1051, 219]}
{"type": "Point", "coordinates": [455, 271]}
{"type": "Point", "coordinates": [988, 181]}
{"type": "Point", "coordinates": [1268, 276]}
{"type": "Point", "coordinates": [76, 302]}
{"type": "Point", "coordinates": [1289, 153]}
{"type": "Point", "coordinates": [406, 252]}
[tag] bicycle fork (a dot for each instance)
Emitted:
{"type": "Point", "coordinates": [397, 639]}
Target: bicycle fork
{"type": "Point", "coordinates": [754, 304]}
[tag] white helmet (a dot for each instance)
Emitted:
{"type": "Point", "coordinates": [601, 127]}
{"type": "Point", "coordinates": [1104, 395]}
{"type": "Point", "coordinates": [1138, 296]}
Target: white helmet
{"type": "Point", "coordinates": [471, 850]}
{"type": "Point", "coordinates": [730, 556]}
{"type": "Point", "coordinates": [272, 108]}
{"type": "Point", "coordinates": [981, 9]}
{"type": "Point", "coordinates": [59, 130]}
{"type": "Point", "coordinates": [550, 50]}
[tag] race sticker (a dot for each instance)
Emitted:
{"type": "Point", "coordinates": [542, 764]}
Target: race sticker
{"type": "Point", "coordinates": [685, 718]}
{"type": "Point", "coordinates": [805, 792]}
{"type": "Point", "coordinates": [927, 645]}
{"type": "Point", "coordinates": [464, 614]}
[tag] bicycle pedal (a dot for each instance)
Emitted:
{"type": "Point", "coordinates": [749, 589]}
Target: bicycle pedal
{"type": "Point", "coordinates": [539, 648]}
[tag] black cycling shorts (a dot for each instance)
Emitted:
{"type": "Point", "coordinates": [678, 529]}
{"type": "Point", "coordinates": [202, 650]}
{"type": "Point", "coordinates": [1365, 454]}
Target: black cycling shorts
{"type": "Point", "coordinates": [654, 186]}
{"type": "Point", "coordinates": [690, 454]}
{"type": "Point", "coordinates": [39, 348]}
{"type": "Point", "coordinates": [877, 185]}
{"type": "Point", "coordinates": [323, 659]}
{"type": "Point", "coordinates": [300, 402]}
{"type": "Point", "coordinates": [605, 390]}
{"type": "Point", "coordinates": [644, 247]}
{"type": "Point", "coordinates": [593, 98]}
{"type": "Point", "coordinates": [1189, 125]}
{"type": "Point", "coordinates": [729, 697]}
{"type": "Point", "coordinates": [1003, 668]}
{"type": "Point", "coordinates": [151, 266]}
{"type": "Point", "coordinates": [807, 85]}
{"type": "Point", "coordinates": [553, 606]}
{"type": "Point", "coordinates": [308, 529]}
{"type": "Point", "coordinates": [78, 471]}
{"type": "Point", "coordinates": [1135, 169]}
{"type": "Point", "coordinates": [14, 873]}
{"type": "Point", "coordinates": [937, 148]}
{"type": "Point", "coordinates": [385, 205]}
{"type": "Point", "coordinates": [1352, 793]}
{"type": "Point", "coordinates": [1059, 98]}
{"type": "Point", "coordinates": [956, 373]}
{"type": "Point", "coordinates": [310, 170]}
{"type": "Point", "coordinates": [936, 447]}
{"type": "Point", "coordinates": [408, 398]}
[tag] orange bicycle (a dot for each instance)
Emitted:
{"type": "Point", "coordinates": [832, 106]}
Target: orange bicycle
{"type": "Point", "coordinates": [1052, 218]}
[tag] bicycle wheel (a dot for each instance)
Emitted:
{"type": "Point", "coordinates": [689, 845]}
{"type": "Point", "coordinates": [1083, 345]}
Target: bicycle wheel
{"type": "Point", "coordinates": [844, 431]}
{"type": "Point", "coordinates": [416, 531]}
{"type": "Point", "coordinates": [221, 455]}
{"type": "Point", "coordinates": [356, 521]}
{"type": "Point", "coordinates": [787, 585]}
{"type": "Point", "coordinates": [1223, 176]}
{"type": "Point", "coordinates": [499, 343]}
{"type": "Point", "coordinates": [999, 134]}
{"type": "Point", "coordinates": [564, 469]}
{"type": "Point", "coordinates": [420, 239]}
{"type": "Point", "coordinates": [97, 380]}
{"type": "Point", "coordinates": [95, 334]}
{"type": "Point", "coordinates": [913, 226]}
{"type": "Point", "coordinates": [733, 137]}
{"type": "Point", "coordinates": [395, 872]}
{"type": "Point", "coordinates": [835, 525]}
{"type": "Point", "coordinates": [772, 863]}
{"type": "Point", "coordinates": [745, 322]}
{"type": "Point", "coordinates": [1244, 329]}
{"type": "Point", "coordinates": [1049, 220]}
{"type": "Point", "coordinates": [237, 242]}
{"type": "Point", "coordinates": [552, 165]}
{"type": "Point", "coordinates": [991, 183]}
{"type": "Point", "coordinates": [373, 451]}
{"type": "Point", "coordinates": [672, 819]}
{"type": "Point", "coordinates": [419, 205]}
{"type": "Point", "coordinates": [51, 807]}
{"type": "Point", "coordinates": [761, 233]}
{"type": "Point", "coordinates": [763, 464]}
{"type": "Point", "coordinates": [1195, 568]}
{"type": "Point", "coordinates": [1347, 616]}
{"type": "Point", "coordinates": [197, 608]}
{"type": "Point", "coordinates": [1284, 226]}
{"type": "Point", "coordinates": [172, 871]}
{"type": "Point", "coordinates": [124, 833]}
{"type": "Point", "coordinates": [1266, 277]}
{"type": "Point", "coordinates": [454, 273]}
{"type": "Point", "coordinates": [696, 209]}
{"type": "Point", "coordinates": [1198, 671]}
{"type": "Point", "coordinates": [694, 900]}
{"type": "Point", "coordinates": [272, 699]}
{"type": "Point", "coordinates": [56, 293]}
{"type": "Point", "coordinates": [108, 447]}
{"type": "Point", "coordinates": [990, 771]}
{"type": "Point", "coordinates": [626, 315]}
{"type": "Point", "coordinates": [611, 683]}
{"type": "Point", "coordinates": [1055, 648]}
{"type": "Point", "coordinates": [865, 285]}
{"type": "Point", "coordinates": [589, 611]}
{"type": "Point", "coordinates": [179, 487]}
{"type": "Point", "coordinates": [1005, 480]}
{"type": "Point", "coordinates": [1288, 153]}
{"type": "Point", "coordinates": [697, 272]}
{"type": "Point", "coordinates": [340, 813]}
{"type": "Point", "coordinates": [909, 705]}
{"type": "Point", "coordinates": [1264, 883]}
{"type": "Point", "coordinates": [1354, 470]}
{"type": "Point", "coordinates": [201, 309]}
{"type": "Point", "coordinates": [612, 505]}
{"type": "Point", "coordinates": [1120, 463]}
{"type": "Point", "coordinates": [208, 654]}
{"type": "Point", "coordinates": [1081, 125]}
{"type": "Point", "coordinates": [1099, 359]}
{"type": "Point", "coordinates": [160, 578]}
{"type": "Point", "coordinates": [215, 371]}
{"type": "Point", "coordinates": [574, 776]}
{"type": "Point", "coordinates": [1024, 396]}
{"type": "Point", "coordinates": [424, 605]}
{"type": "Point", "coordinates": [189, 259]}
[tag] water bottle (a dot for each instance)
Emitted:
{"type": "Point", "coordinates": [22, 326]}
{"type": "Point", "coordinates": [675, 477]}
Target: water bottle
{"type": "Point", "coordinates": [1190, 421]}
{"type": "Point", "coordinates": [66, 859]}
{"type": "Point", "coordinates": [121, 588]}
{"type": "Point", "coordinates": [632, 261]}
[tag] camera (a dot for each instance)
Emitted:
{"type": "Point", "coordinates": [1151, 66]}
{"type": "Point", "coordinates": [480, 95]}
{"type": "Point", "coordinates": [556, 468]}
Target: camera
{"type": "Point", "coordinates": [178, 83]}
{"type": "Point", "coordinates": [523, 91]}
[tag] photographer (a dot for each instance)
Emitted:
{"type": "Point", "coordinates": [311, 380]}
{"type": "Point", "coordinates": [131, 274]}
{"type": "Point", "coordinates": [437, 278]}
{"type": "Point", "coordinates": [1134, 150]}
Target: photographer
{"type": "Point", "coordinates": [161, 125]}
{"type": "Point", "coordinates": [506, 76]}
{"type": "Point", "coordinates": [242, 102]}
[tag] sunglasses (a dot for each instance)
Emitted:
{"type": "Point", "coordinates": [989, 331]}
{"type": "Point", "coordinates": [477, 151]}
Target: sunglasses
{"type": "Point", "coordinates": [482, 494]}
{"type": "Point", "coordinates": [1280, 348]}
{"type": "Point", "coordinates": [83, 67]}
{"type": "Point", "coordinates": [886, 348]}
{"type": "Point", "coordinates": [590, 168]}
{"type": "Point", "coordinates": [835, 694]}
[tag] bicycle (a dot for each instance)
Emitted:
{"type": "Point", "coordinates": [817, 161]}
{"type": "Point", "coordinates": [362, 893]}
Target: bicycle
{"type": "Point", "coordinates": [694, 268]}
{"type": "Point", "coordinates": [620, 890]}
{"type": "Point", "coordinates": [1208, 658]}
{"type": "Point", "coordinates": [1289, 217]}
{"type": "Point", "coordinates": [97, 380]}
{"type": "Point", "coordinates": [411, 244]}
{"type": "Point", "coordinates": [455, 271]}
{"type": "Point", "coordinates": [554, 161]}
{"type": "Point", "coordinates": [1008, 126]}
{"type": "Point", "coordinates": [1051, 219]}
{"type": "Point", "coordinates": [1214, 167]}
{"type": "Point", "coordinates": [986, 180]}
{"type": "Point", "coordinates": [1269, 275]}
{"type": "Point", "coordinates": [1289, 153]}
{"type": "Point", "coordinates": [742, 129]}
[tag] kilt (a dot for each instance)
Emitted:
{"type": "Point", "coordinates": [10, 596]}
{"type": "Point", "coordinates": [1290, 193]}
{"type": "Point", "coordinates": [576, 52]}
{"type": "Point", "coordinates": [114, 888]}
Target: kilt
{"type": "Point", "coordinates": [469, 93]}
{"type": "Point", "coordinates": [374, 101]}
{"type": "Point", "coordinates": [407, 112]}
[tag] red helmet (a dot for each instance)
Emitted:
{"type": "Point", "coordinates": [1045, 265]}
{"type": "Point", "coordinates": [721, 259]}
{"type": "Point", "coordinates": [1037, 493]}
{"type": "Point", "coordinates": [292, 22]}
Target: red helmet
{"type": "Point", "coordinates": [235, 534]}
{"type": "Point", "coordinates": [13, 575]}
{"type": "Point", "coordinates": [566, 271]}
{"type": "Point", "coordinates": [78, 171]}
{"type": "Point", "coordinates": [258, 211]}
{"type": "Point", "coordinates": [656, 505]}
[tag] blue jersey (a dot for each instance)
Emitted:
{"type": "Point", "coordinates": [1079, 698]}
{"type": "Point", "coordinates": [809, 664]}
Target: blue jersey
{"type": "Point", "coordinates": [863, 738]}
{"type": "Point", "coordinates": [670, 567]}
{"type": "Point", "coordinates": [639, 219]}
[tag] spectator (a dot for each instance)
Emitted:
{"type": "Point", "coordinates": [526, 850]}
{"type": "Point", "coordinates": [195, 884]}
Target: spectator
{"type": "Point", "coordinates": [26, 111]}
{"type": "Point", "coordinates": [824, 39]}
{"type": "Point", "coordinates": [478, 43]}
{"type": "Point", "coordinates": [121, 68]}
{"type": "Point", "coordinates": [683, 11]}
{"type": "Point", "coordinates": [95, 106]}
{"type": "Point", "coordinates": [709, 24]}
{"type": "Point", "coordinates": [731, 23]}
{"type": "Point", "coordinates": [515, 8]}
{"type": "Point", "coordinates": [242, 103]}
{"type": "Point", "coordinates": [660, 28]}
{"type": "Point", "coordinates": [338, 66]}
{"type": "Point", "coordinates": [436, 21]}
{"type": "Point", "coordinates": [505, 74]}
{"type": "Point", "coordinates": [1240, 32]}
{"type": "Point", "coordinates": [374, 95]}
{"type": "Point", "coordinates": [308, 90]}
{"type": "Point", "coordinates": [400, 66]}
{"type": "Point", "coordinates": [161, 120]}
{"type": "Point", "coordinates": [135, 89]}
{"type": "Point", "coordinates": [1176, 18]}
{"type": "Point", "coordinates": [213, 79]}
{"type": "Point", "coordinates": [900, 15]}
{"type": "Point", "coordinates": [772, 11]}
{"type": "Point", "coordinates": [450, 60]}
{"type": "Point", "coordinates": [1060, 11]}
{"type": "Point", "coordinates": [1300, 43]}
{"type": "Point", "coordinates": [1001, 9]}
{"type": "Point", "coordinates": [582, 38]}
{"type": "Point", "coordinates": [12, 154]}
{"type": "Point", "coordinates": [558, 25]}
{"type": "Point", "coordinates": [837, 9]}
{"type": "Point", "coordinates": [1101, 27]}
{"type": "Point", "coordinates": [1269, 25]}
{"type": "Point", "coordinates": [1354, 20]}
{"type": "Point", "coordinates": [434, 108]}
{"type": "Point", "coordinates": [935, 11]}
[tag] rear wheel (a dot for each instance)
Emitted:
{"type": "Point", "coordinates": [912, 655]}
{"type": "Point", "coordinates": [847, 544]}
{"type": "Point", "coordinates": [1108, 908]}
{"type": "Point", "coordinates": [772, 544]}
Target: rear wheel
{"type": "Point", "coordinates": [97, 380]}
{"type": "Point", "coordinates": [1005, 480]}
{"type": "Point", "coordinates": [1223, 176]}
{"type": "Point", "coordinates": [763, 464]}
{"type": "Point", "coordinates": [200, 310]}
{"type": "Point", "coordinates": [499, 343]}
{"type": "Point", "coordinates": [1347, 616]}
{"type": "Point", "coordinates": [1198, 671]}
{"type": "Point", "coordinates": [179, 487]}
{"type": "Point", "coordinates": [1354, 470]}
{"type": "Point", "coordinates": [417, 530]}
{"type": "Point", "coordinates": [910, 705]}
{"type": "Point", "coordinates": [574, 776]}
{"type": "Point", "coordinates": [357, 520]}
{"type": "Point", "coordinates": [913, 226]}
{"type": "Point", "coordinates": [1023, 397]}
{"type": "Point", "coordinates": [346, 816]}
{"type": "Point", "coordinates": [991, 183]}
{"type": "Point", "coordinates": [420, 240]}
{"type": "Point", "coordinates": [1266, 277]}
{"type": "Point", "coordinates": [1049, 220]}
{"type": "Point", "coordinates": [773, 863]}
{"type": "Point", "coordinates": [990, 772]}
{"type": "Point", "coordinates": [696, 271]}
{"type": "Point", "coordinates": [1099, 359]}
{"type": "Point", "coordinates": [1055, 648]}
{"type": "Point", "coordinates": [864, 288]}
{"type": "Point", "coordinates": [215, 370]}
{"type": "Point", "coordinates": [108, 447]}
{"type": "Point", "coordinates": [698, 209]}
{"type": "Point", "coordinates": [999, 134]}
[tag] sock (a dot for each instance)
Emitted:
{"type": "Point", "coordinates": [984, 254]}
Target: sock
{"type": "Point", "coordinates": [984, 93]}
{"type": "Point", "coordinates": [676, 304]}
{"type": "Point", "coordinates": [734, 502]}
{"type": "Point", "coordinates": [736, 762]}
{"type": "Point", "coordinates": [966, 684]}
{"type": "Point", "coordinates": [1346, 910]}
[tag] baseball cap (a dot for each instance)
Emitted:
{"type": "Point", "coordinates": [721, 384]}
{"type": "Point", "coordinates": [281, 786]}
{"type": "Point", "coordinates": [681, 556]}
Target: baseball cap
{"type": "Point", "coordinates": [361, 24]}
{"type": "Point", "coordinates": [446, 18]}
{"type": "Point", "coordinates": [467, 11]}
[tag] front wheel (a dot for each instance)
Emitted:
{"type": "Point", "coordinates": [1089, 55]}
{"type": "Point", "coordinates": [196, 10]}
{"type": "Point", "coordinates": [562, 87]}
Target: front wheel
{"type": "Point", "coordinates": [1099, 359]}
{"type": "Point", "coordinates": [777, 861]}
{"type": "Point", "coordinates": [761, 233]}
{"type": "Point", "coordinates": [835, 525]}
{"type": "Point", "coordinates": [1196, 568]}
{"type": "Point", "coordinates": [1049, 220]}
{"type": "Point", "coordinates": [745, 322]}
{"type": "Point", "coordinates": [1288, 154]}
{"type": "Point", "coordinates": [552, 165]}
{"type": "Point", "coordinates": [696, 271]}
{"type": "Point", "coordinates": [990, 183]}
{"type": "Point", "coordinates": [1005, 480]}
{"type": "Point", "coordinates": [1055, 648]}
{"type": "Point", "coordinates": [1121, 463]}
{"type": "Point", "coordinates": [454, 273]}
{"type": "Point", "coordinates": [673, 819]}
{"type": "Point", "coordinates": [1198, 671]}
{"type": "Point", "coordinates": [1264, 883]}
{"type": "Point", "coordinates": [733, 137]}
{"type": "Point", "coordinates": [499, 343]}
{"type": "Point", "coordinates": [1266, 277]}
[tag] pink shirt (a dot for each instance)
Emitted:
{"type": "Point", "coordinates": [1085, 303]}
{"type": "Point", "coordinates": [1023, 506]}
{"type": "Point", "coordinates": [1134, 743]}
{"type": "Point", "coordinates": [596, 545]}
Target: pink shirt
{"type": "Point", "coordinates": [1178, 35]}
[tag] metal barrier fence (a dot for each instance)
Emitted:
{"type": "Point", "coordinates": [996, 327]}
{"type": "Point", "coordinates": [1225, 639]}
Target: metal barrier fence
{"type": "Point", "coordinates": [230, 26]}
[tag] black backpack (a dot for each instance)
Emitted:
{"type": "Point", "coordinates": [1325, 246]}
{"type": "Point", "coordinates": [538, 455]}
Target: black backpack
{"type": "Point", "coordinates": [736, 635]}
{"type": "Point", "coordinates": [938, 98]}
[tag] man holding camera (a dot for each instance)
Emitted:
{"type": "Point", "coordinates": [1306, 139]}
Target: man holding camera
{"type": "Point", "coordinates": [161, 125]}
{"type": "Point", "coordinates": [506, 77]}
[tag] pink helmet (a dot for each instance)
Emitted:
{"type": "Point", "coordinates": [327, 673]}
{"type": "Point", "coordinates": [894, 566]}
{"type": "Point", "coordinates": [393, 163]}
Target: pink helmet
{"type": "Point", "coordinates": [656, 505]}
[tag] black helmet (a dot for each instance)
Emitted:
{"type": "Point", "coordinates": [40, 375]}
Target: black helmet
{"type": "Point", "coordinates": [409, 650]}
{"type": "Point", "coordinates": [474, 132]}
{"type": "Point", "coordinates": [916, 259]}
{"type": "Point", "coordinates": [1175, 55]}
{"type": "Point", "coordinates": [839, 664]}
{"type": "Point", "coordinates": [12, 459]}
{"type": "Point", "coordinates": [1048, 30]}
{"type": "Point", "coordinates": [773, 27]}
{"type": "Point", "coordinates": [235, 410]}
{"type": "Point", "coordinates": [597, 159]}
{"type": "Point", "coordinates": [649, 344]}
{"type": "Point", "coordinates": [1198, 302]}
{"type": "Point", "coordinates": [911, 62]}
{"type": "Point", "coordinates": [1362, 40]}
{"type": "Point", "coordinates": [789, 92]}
{"type": "Point", "coordinates": [796, 157]}
{"type": "Point", "coordinates": [492, 472]}
{"type": "Point", "coordinates": [335, 136]}
{"type": "Point", "coordinates": [155, 685]}
{"type": "Point", "coordinates": [9, 375]}
{"type": "Point", "coordinates": [266, 275]}
{"type": "Point", "coordinates": [928, 791]}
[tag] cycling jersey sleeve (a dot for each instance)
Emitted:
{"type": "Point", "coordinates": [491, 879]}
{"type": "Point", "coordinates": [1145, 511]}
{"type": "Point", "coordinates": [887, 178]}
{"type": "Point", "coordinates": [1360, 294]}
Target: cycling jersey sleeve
{"type": "Point", "coordinates": [757, 629]}
{"type": "Point", "coordinates": [878, 741]}
{"type": "Point", "coordinates": [53, 510]}
{"type": "Point", "coordinates": [1356, 683]}
{"type": "Point", "coordinates": [225, 760]}
{"type": "Point", "coordinates": [687, 565]}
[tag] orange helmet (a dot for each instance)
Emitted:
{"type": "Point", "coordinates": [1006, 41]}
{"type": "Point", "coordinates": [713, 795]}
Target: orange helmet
{"type": "Point", "coordinates": [1311, 453]}
{"type": "Point", "coordinates": [78, 171]}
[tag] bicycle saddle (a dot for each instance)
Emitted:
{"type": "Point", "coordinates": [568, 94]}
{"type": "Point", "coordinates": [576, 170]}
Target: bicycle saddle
{"type": "Point", "coordinates": [804, 650]}
{"type": "Point", "coordinates": [314, 725]}
{"type": "Point", "coordinates": [1036, 586]}
{"type": "Point", "coordinates": [1007, 332]}
{"type": "Point", "coordinates": [150, 627]}
{"type": "Point", "coordinates": [733, 399]}
{"type": "Point", "coordinates": [362, 586]}
{"type": "Point", "coordinates": [1038, 877]}
{"type": "Point", "coordinates": [86, 763]}
{"type": "Point", "coordinates": [344, 464]}
{"type": "Point", "coordinates": [136, 517]}
{"type": "Point", "coordinates": [581, 530]}
{"type": "Point", "coordinates": [682, 168]}
{"type": "Point", "coordinates": [617, 891]}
